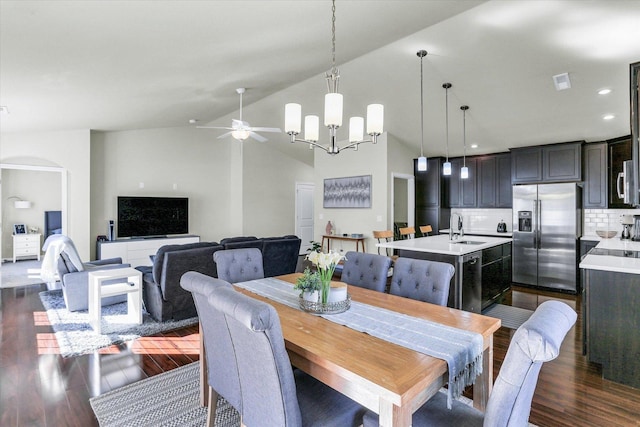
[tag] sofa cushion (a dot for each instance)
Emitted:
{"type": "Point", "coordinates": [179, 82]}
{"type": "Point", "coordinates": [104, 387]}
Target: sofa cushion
{"type": "Point", "coordinates": [159, 258]}
{"type": "Point", "coordinates": [241, 242]}
{"type": "Point", "coordinates": [280, 255]}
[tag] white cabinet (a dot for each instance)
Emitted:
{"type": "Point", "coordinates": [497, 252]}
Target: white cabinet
{"type": "Point", "coordinates": [137, 251]}
{"type": "Point", "coordinates": [26, 245]}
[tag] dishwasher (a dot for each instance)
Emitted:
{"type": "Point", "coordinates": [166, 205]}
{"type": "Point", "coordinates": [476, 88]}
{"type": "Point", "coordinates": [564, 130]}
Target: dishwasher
{"type": "Point", "coordinates": [472, 282]}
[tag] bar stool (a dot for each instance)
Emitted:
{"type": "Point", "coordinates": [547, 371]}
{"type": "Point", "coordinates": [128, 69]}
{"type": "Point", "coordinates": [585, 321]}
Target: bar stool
{"type": "Point", "coordinates": [426, 230]}
{"type": "Point", "coordinates": [407, 232]}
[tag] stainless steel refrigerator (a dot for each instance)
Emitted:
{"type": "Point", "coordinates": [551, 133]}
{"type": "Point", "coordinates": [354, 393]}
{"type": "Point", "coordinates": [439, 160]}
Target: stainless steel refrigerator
{"type": "Point", "coordinates": [547, 223]}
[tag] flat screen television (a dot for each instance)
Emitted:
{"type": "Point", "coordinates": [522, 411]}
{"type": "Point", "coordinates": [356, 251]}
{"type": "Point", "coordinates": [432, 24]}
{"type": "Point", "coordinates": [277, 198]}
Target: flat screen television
{"type": "Point", "coordinates": [152, 216]}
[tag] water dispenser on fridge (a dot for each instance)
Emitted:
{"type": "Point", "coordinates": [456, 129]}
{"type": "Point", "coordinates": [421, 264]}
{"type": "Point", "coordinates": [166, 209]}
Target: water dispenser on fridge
{"type": "Point", "coordinates": [524, 221]}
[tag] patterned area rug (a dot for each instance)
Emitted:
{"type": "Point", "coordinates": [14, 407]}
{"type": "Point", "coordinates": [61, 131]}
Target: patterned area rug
{"type": "Point", "coordinates": [512, 317]}
{"type": "Point", "coordinates": [75, 336]}
{"type": "Point", "coordinates": [168, 399]}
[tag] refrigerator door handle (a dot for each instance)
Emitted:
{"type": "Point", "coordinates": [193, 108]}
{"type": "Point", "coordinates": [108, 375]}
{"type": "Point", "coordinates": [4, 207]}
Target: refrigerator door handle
{"type": "Point", "coordinates": [539, 220]}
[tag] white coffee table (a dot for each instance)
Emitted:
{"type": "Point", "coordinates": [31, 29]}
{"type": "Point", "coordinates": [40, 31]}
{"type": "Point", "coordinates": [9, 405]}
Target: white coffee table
{"type": "Point", "coordinates": [131, 285]}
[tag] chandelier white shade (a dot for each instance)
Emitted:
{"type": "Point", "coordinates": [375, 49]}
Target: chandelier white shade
{"type": "Point", "coordinates": [333, 110]}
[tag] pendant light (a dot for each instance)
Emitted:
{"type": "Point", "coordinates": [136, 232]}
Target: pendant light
{"type": "Point", "coordinates": [464, 171]}
{"type": "Point", "coordinates": [422, 160]}
{"type": "Point", "coordinates": [446, 167]}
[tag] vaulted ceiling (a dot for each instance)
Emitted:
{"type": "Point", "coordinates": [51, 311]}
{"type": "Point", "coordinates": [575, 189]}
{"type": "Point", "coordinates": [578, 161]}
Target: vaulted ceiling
{"type": "Point", "coordinates": [120, 65]}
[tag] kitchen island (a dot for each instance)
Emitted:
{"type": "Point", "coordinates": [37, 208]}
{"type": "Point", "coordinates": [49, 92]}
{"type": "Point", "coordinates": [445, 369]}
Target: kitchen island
{"type": "Point", "coordinates": [482, 265]}
{"type": "Point", "coordinates": [611, 309]}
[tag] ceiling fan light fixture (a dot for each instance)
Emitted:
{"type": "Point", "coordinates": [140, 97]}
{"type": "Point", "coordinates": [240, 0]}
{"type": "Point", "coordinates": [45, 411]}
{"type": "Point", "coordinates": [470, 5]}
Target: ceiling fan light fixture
{"type": "Point", "coordinates": [240, 134]}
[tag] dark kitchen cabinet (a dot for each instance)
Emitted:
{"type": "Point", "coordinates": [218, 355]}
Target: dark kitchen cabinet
{"type": "Point", "coordinates": [594, 194]}
{"type": "Point", "coordinates": [547, 163]}
{"type": "Point", "coordinates": [429, 191]}
{"type": "Point", "coordinates": [494, 188]}
{"type": "Point", "coordinates": [562, 162]}
{"type": "Point", "coordinates": [430, 195]}
{"type": "Point", "coordinates": [526, 165]}
{"type": "Point", "coordinates": [619, 150]}
{"type": "Point", "coordinates": [496, 273]}
{"type": "Point", "coordinates": [461, 193]}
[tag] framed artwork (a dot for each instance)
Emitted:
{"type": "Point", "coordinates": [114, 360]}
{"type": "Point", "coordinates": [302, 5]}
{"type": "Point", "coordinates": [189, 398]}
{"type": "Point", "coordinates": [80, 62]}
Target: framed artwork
{"type": "Point", "coordinates": [19, 229]}
{"type": "Point", "coordinates": [349, 192]}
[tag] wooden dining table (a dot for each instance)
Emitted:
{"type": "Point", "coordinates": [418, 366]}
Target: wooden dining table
{"type": "Point", "coordinates": [389, 379]}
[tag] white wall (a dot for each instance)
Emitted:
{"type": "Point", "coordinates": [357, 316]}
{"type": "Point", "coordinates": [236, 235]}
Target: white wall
{"type": "Point", "coordinates": [41, 188]}
{"type": "Point", "coordinates": [368, 160]}
{"type": "Point", "coordinates": [192, 160]}
{"type": "Point", "coordinates": [66, 149]}
{"type": "Point", "coordinates": [269, 189]}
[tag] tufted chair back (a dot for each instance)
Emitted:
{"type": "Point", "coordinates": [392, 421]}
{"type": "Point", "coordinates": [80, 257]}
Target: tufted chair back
{"type": "Point", "coordinates": [239, 265]}
{"type": "Point", "coordinates": [536, 341]}
{"type": "Point", "coordinates": [366, 270]}
{"type": "Point", "coordinates": [422, 280]}
{"type": "Point", "coordinates": [217, 340]}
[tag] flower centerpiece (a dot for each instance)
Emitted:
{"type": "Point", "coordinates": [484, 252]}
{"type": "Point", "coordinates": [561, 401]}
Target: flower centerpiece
{"type": "Point", "coordinates": [326, 265]}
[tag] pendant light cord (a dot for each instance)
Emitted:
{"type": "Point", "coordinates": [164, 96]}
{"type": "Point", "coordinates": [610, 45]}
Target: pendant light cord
{"type": "Point", "coordinates": [446, 86]}
{"type": "Point", "coordinates": [333, 37]}
{"type": "Point", "coordinates": [421, 54]}
{"type": "Point", "coordinates": [464, 109]}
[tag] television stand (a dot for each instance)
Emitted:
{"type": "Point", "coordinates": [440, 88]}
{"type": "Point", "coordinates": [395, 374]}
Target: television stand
{"type": "Point", "coordinates": [137, 251]}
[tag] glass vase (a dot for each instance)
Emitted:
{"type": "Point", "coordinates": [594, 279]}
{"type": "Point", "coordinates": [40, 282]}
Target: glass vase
{"type": "Point", "coordinates": [326, 288]}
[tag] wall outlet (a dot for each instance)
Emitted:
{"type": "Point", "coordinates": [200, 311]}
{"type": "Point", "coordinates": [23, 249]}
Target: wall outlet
{"type": "Point", "coordinates": [320, 216]}
{"type": "Point", "coordinates": [379, 218]}
{"type": "Point", "coordinates": [141, 185]}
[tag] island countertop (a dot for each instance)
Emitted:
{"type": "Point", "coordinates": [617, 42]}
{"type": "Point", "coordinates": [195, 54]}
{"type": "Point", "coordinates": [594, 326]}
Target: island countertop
{"type": "Point", "coordinates": [440, 244]}
{"type": "Point", "coordinates": [621, 264]}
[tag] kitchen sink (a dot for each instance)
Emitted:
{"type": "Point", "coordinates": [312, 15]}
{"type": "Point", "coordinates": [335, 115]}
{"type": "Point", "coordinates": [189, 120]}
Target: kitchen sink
{"type": "Point", "coordinates": [466, 242]}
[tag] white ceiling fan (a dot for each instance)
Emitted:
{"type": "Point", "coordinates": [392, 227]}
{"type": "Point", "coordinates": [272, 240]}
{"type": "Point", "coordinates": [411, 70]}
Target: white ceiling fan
{"type": "Point", "coordinates": [240, 129]}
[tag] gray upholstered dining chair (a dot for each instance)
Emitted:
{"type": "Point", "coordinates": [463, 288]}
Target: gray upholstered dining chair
{"type": "Point", "coordinates": [536, 341]}
{"type": "Point", "coordinates": [366, 270]}
{"type": "Point", "coordinates": [423, 280]}
{"type": "Point", "coordinates": [221, 376]}
{"type": "Point", "coordinates": [239, 265]}
{"type": "Point", "coordinates": [271, 393]}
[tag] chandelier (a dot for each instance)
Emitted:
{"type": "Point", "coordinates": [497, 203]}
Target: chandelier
{"type": "Point", "coordinates": [333, 113]}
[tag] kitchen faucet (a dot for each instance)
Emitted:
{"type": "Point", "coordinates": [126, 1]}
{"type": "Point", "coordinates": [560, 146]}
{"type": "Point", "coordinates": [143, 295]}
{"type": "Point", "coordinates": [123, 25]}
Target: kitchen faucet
{"type": "Point", "coordinates": [453, 235]}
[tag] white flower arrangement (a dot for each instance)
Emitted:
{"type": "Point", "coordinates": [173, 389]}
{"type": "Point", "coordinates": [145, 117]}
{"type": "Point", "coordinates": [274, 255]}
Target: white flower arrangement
{"type": "Point", "coordinates": [326, 265]}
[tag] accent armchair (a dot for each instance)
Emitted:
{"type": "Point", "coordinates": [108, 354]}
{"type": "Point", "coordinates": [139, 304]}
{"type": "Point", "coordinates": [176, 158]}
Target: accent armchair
{"type": "Point", "coordinates": [61, 257]}
{"type": "Point", "coordinates": [538, 340]}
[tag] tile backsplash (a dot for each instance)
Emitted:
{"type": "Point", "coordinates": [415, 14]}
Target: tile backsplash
{"type": "Point", "coordinates": [484, 219]}
{"type": "Point", "coordinates": [605, 219]}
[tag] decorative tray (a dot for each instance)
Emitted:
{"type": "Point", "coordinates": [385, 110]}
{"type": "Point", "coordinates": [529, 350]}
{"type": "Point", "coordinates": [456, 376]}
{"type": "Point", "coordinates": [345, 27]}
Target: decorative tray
{"type": "Point", "coordinates": [328, 308]}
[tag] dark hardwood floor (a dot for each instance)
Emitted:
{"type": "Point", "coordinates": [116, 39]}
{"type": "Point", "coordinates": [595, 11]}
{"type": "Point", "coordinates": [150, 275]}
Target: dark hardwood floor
{"type": "Point", "coordinates": [40, 388]}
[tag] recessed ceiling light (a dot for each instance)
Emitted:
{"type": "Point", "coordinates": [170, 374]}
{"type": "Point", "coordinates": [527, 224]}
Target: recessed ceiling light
{"type": "Point", "coordinates": [604, 91]}
{"type": "Point", "coordinates": [4, 109]}
{"type": "Point", "coordinates": [608, 117]}
{"type": "Point", "coordinates": [193, 121]}
{"type": "Point", "coordinates": [474, 145]}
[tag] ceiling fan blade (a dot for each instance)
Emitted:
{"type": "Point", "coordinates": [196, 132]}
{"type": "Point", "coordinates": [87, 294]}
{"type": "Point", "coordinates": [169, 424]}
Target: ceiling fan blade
{"type": "Point", "coordinates": [224, 134]}
{"type": "Point", "coordinates": [261, 129]}
{"type": "Point", "coordinates": [257, 137]}
{"type": "Point", "coordinates": [239, 124]}
{"type": "Point", "coordinates": [213, 127]}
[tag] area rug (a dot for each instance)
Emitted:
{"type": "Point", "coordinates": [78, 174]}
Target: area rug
{"type": "Point", "coordinates": [75, 336]}
{"type": "Point", "coordinates": [21, 273]}
{"type": "Point", "coordinates": [512, 317]}
{"type": "Point", "coordinates": [168, 399]}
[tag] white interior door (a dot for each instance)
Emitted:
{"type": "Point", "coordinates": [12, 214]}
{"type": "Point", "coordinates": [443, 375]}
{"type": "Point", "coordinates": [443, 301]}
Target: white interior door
{"type": "Point", "coordinates": [304, 214]}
